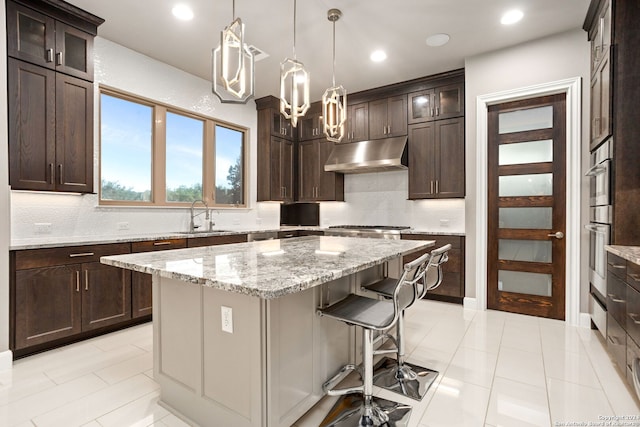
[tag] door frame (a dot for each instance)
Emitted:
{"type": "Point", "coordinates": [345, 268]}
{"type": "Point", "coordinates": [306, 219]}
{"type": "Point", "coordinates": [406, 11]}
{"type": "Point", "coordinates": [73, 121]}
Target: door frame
{"type": "Point", "coordinates": [572, 88]}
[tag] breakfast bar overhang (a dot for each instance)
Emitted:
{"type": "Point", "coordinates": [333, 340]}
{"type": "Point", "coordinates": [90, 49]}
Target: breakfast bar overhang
{"type": "Point", "coordinates": [237, 341]}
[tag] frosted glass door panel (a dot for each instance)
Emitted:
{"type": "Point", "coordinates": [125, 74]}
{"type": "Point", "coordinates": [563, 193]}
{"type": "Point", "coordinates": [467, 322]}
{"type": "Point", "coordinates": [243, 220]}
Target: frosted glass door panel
{"type": "Point", "coordinates": [530, 218]}
{"type": "Point", "coordinates": [524, 250]}
{"type": "Point", "coordinates": [524, 120]}
{"type": "Point", "coordinates": [526, 152]}
{"type": "Point", "coordinates": [526, 185]}
{"type": "Point", "coordinates": [524, 283]}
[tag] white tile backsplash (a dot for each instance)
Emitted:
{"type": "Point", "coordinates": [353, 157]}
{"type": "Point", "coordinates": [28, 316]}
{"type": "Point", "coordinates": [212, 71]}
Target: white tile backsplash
{"type": "Point", "coordinates": [381, 199]}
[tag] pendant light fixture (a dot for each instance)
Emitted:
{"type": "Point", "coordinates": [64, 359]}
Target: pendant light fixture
{"type": "Point", "coordinates": [233, 65]}
{"type": "Point", "coordinates": [294, 84]}
{"type": "Point", "coordinates": [334, 99]}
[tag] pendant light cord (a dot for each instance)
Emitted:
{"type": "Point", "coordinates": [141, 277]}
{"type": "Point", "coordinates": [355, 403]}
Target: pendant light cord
{"type": "Point", "coordinates": [294, 28]}
{"type": "Point", "coordinates": [233, 10]}
{"type": "Point", "coordinates": [334, 53]}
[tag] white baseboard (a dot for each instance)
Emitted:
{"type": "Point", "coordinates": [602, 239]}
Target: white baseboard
{"type": "Point", "coordinates": [470, 303]}
{"type": "Point", "coordinates": [6, 360]}
{"type": "Point", "coordinates": [585, 320]}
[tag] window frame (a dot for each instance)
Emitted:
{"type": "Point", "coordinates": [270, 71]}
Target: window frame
{"type": "Point", "coordinates": [158, 154]}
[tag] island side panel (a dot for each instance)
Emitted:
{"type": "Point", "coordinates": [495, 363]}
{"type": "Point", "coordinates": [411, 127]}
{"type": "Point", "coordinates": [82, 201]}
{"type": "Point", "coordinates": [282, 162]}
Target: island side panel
{"type": "Point", "coordinates": [206, 374]}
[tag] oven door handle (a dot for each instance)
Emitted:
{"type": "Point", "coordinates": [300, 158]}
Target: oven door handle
{"type": "Point", "coordinates": [596, 229]}
{"type": "Point", "coordinates": [598, 169]}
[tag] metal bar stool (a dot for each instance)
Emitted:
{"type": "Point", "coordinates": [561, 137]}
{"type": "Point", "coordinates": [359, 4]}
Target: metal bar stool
{"type": "Point", "coordinates": [399, 375]}
{"type": "Point", "coordinates": [358, 407]}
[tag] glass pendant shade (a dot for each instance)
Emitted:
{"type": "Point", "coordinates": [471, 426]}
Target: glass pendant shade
{"type": "Point", "coordinates": [334, 112]}
{"type": "Point", "coordinates": [233, 66]}
{"type": "Point", "coordinates": [294, 90]}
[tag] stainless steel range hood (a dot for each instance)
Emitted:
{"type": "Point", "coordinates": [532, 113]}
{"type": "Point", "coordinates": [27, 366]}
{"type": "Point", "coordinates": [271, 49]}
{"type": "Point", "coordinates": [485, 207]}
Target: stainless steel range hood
{"type": "Point", "coordinates": [376, 155]}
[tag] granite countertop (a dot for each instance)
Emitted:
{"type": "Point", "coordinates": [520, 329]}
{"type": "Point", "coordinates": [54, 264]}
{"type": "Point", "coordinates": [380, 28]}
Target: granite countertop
{"type": "Point", "coordinates": [271, 268]}
{"type": "Point", "coordinates": [630, 253]}
{"type": "Point", "coordinates": [52, 242]}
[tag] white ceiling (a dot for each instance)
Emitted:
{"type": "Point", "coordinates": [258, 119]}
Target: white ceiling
{"type": "Point", "coordinates": [400, 27]}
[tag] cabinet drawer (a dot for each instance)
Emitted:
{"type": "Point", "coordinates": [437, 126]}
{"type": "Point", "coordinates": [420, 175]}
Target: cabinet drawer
{"type": "Point", "coordinates": [617, 266]}
{"type": "Point", "coordinates": [34, 258]}
{"type": "Point", "coordinates": [617, 342]}
{"type": "Point", "coordinates": [633, 352]}
{"type": "Point", "coordinates": [633, 313]}
{"type": "Point", "coordinates": [617, 298]}
{"type": "Point", "coordinates": [216, 240]}
{"type": "Point", "coordinates": [288, 234]}
{"type": "Point", "coordinates": [455, 241]}
{"type": "Point", "coordinates": [633, 275]}
{"type": "Point", "coordinates": [158, 245]}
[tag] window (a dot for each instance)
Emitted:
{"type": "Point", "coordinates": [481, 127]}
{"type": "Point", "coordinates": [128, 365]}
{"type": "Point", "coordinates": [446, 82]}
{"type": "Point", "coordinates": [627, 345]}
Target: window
{"type": "Point", "coordinates": [156, 155]}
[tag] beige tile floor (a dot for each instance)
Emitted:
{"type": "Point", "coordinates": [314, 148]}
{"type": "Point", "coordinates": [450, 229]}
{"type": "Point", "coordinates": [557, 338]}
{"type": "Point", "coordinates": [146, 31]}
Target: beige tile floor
{"type": "Point", "coordinates": [496, 369]}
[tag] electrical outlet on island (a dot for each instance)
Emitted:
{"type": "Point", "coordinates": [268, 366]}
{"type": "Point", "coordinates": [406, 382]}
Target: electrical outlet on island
{"type": "Point", "coordinates": [226, 314]}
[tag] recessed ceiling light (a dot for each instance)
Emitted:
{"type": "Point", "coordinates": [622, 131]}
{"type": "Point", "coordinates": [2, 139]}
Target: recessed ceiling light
{"type": "Point", "coordinates": [439, 39]}
{"type": "Point", "coordinates": [378, 55]}
{"type": "Point", "coordinates": [511, 17]}
{"type": "Point", "coordinates": [182, 12]}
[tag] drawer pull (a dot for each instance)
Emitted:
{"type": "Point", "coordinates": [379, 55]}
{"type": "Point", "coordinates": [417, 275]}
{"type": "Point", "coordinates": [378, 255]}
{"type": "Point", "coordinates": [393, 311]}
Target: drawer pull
{"type": "Point", "coordinates": [614, 340]}
{"type": "Point", "coordinates": [635, 277]}
{"type": "Point", "coordinates": [288, 235]}
{"type": "Point", "coordinates": [161, 243]}
{"type": "Point", "coordinates": [615, 299]}
{"type": "Point", "coordinates": [81, 254]}
{"type": "Point", "coordinates": [619, 266]}
{"type": "Point", "coordinates": [633, 317]}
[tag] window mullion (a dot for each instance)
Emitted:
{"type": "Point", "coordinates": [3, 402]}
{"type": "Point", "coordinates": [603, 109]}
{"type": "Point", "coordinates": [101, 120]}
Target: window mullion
{"type": "Point", "coordinates": [209, 167]}
{"type": "Point", "coordinates": [159, 156]}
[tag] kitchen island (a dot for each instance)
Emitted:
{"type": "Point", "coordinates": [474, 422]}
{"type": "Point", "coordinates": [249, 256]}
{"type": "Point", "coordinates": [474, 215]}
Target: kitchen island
{"type": "Point", "coordinates": [237, 341]}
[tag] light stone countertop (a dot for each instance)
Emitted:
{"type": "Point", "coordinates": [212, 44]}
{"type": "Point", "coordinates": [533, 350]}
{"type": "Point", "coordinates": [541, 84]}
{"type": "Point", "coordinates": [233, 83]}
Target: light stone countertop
{"type": "Point", "coordinates": [57, 241]}
{"type": "Point", "coordinates": [271, 268]}
{"type": "Point", "coordinates": [630, 253]}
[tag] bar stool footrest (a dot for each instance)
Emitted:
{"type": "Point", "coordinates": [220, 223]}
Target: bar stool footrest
{"type": "Point", "coordinates": [328, 386]}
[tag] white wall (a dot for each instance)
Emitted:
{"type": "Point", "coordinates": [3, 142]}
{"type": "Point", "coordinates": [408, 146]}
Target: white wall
{"type": "Point", "coordinates": [381, 199]}
{"type": "Point", "coordinates": [80, 215]}
{"type": "Point", "coordinates": [5, 355]}
{"type": "Point", "coordinates": [545, 60]}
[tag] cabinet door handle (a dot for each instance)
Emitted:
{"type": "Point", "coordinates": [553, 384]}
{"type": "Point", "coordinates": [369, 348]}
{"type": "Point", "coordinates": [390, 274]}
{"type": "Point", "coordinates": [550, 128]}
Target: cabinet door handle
{"type": "Point", "coordinates": [614, 340]}
{"type": "Point", "coordinates": [618, 266]}
{"type": "Point", "coordinates": [59, 58]}
{"type": "Point", "coordinates": [81, 254]}
{"type": "Point", "coordinates": [161, 243]}
{"type": "Point", "coordinates": [432, 112]}
{"type": "Point", "coordinates": [616, 299]}
{"type": "Point", "coordinates": [49, 55]}
{"type": "Point", "coordinates": [437, 111]}
{"type": "Point", "coordinates": [633, 317]}
{"type": "Point", "coordinates": [77, 281]}
{"type": "Point", "coordinates": [86, 280]}
{"type": "Point", "coordinates": [52, 173]}
{"type": "Point", "coordinates": [389, 130]}
{"type": "Point", "coordinates": [431, 188]}
{"type": "Point", "coordinates": [437, 189]}
{"type": "Point", "coordinates": [635, 277]}
{"type": "Point", "coordinates": [60, 173]}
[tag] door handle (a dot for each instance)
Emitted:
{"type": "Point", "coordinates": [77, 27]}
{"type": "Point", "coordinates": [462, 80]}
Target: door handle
{"type": "Point", "coordinates": [616, 299]}
{"type": "Point", "coordinates": [557, 235]}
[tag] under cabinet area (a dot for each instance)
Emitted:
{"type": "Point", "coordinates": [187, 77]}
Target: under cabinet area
{"type": "Point", "coordinates": [452, 287]}
{"type": "Point", "coordinates": [57, 294]}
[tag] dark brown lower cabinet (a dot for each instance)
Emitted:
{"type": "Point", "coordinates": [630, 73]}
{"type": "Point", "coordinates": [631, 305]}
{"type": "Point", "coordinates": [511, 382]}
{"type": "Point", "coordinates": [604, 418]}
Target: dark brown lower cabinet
{"type": "Point", "coordinates": [141, 295]}
{"type": "Point", "coordinates": [59, 294]}
{"type": "Point", "coordinates": [452, 287]}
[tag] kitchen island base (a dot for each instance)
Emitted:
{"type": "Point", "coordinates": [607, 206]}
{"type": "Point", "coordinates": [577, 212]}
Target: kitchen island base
{"type": "Point", "coordinates": [269, 371]}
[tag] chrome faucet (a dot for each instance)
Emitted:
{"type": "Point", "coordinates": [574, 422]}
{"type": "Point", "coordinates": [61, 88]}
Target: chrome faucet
{"type": "Point", "coordinates": [207, 216]}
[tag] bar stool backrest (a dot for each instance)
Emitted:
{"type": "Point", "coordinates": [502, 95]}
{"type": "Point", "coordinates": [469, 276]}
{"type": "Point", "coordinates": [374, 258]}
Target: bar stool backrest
{"type": "Point", "coordinates": [433, 275]}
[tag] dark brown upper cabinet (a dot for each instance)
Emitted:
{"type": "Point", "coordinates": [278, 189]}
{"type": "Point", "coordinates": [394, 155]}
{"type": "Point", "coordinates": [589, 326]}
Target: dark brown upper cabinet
{"type": "Point", "coordinates": [50, 130]}
{"type": "Point", "coordinates": [442, 102]}
{"type": "Point", "coordinates": [310, 127]}
{"type": "Point", "coordinates": [314, 184]}
{"type": "Point", "coordinates": [46, 37]}
{"type": "Point", "coordinates": [280, 126]}
{"type": "Point", "coordinates": [436, 159]}
{"type": "Point", "coordinates": [600, 35]}
{"type": "Point", "coordinates": [388, 117]}
{"type": "Point", "coordinates": [357, 126]}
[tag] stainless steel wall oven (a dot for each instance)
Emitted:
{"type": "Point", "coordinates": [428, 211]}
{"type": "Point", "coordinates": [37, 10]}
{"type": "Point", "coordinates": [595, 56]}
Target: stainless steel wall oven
{"type": "Point", "coordinates": [599, 232]}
